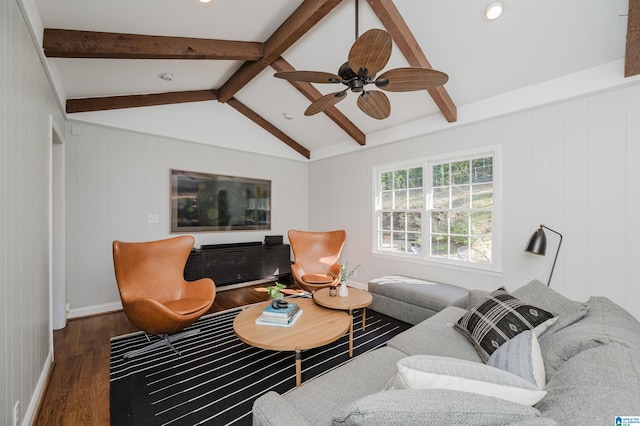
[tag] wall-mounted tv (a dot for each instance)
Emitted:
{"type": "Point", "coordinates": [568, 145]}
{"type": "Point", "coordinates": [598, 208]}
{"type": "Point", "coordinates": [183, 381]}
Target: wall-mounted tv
{"type": "Point", "coordinates": [208, 202]}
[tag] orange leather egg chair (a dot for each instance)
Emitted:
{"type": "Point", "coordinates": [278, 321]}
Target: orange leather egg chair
{"type": "Point", "coordinates": [316, 258]}
{"type": "Point", "coordinates": [155, 296]}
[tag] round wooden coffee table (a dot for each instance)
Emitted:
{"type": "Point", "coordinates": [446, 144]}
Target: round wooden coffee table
{"type": "Point", "coordinates": [317, 326]}
{"type": "Point", "coordinates": [356, 299]}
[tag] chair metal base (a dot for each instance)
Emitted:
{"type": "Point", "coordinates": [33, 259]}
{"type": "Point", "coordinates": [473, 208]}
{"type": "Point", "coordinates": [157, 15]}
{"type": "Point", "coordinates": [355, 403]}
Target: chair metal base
{"type": "Point", "coordinates": [165, 340]}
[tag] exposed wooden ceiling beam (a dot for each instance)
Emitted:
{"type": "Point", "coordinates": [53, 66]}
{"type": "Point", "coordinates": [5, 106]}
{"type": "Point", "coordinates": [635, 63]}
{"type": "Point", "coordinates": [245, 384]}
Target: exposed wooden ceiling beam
{"type": "Point", "coordinates": [309, 13]}
{"type": "Point", "coordinates": [632, 55]}
{"type": "Point", "coordinates": [396, 26]}
{"type": "Point", "coordinates": [260, 121]}
{"type": "Point", "coordinates": [133, 101]}
{"type": "Point", "coordinates": [92, 44]}
{"type": "Point", "coordinates": [312, 94]}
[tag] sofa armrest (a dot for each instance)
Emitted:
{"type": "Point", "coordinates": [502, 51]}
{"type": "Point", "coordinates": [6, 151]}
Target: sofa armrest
{"type": "Point", "coordinates": [271, 409]}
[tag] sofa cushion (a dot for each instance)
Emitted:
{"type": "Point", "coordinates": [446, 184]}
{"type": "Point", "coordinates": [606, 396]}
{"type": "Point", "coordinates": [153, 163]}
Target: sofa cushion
{"type": "Point", "coordinates": [427, 294]}
{"type": "Point", "coordinates": [319, 398]}
{"type": "Point", "coordinates": [500, 317]}
{"type": "Point", "coordinates": [604, 323]}
{"type": "Point", "coordinates": [436, 336]}
{"type": "Point", "coordinates": [594, 387]}
{"type": "Point", "coordinates": [433, 407]}
{"type": "Point", "coordinates": [521, 356]}
{"type": "Point", "coordinates": [538, 294]}
{"type": "Point", "coordinates": [434, 372]}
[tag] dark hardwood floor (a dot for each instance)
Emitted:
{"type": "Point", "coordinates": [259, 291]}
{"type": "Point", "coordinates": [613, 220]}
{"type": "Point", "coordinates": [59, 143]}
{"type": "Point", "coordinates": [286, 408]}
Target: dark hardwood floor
{"type": "Point", "coordinates": [78, 388]}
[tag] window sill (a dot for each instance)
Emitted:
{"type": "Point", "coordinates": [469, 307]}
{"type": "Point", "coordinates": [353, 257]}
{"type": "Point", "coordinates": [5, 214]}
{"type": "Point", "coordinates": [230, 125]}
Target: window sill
{"type": "Point", "coordinates": [445, 265]}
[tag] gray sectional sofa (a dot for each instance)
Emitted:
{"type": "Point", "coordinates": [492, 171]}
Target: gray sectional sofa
{"type": "Point", "coordinates": [591, 359]}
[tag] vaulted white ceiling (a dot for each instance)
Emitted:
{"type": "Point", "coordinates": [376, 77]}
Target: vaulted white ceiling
{"type": "Point", "coordinates": [534, 42]}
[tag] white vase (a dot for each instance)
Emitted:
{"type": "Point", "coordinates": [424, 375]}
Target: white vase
{"type": "Point", "coordinates": [344, 291]}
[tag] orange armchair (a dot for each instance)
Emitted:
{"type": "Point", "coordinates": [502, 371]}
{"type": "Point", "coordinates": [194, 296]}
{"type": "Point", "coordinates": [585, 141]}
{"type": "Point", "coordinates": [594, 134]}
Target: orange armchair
{"type": "Point", "coordinates": [155, 296]}
{"type": "Point", "coordinates": [316, 258]}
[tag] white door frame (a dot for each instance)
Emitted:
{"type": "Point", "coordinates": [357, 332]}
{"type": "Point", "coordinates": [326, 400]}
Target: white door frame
{"type": "Point", "coordinates": [57, 250]}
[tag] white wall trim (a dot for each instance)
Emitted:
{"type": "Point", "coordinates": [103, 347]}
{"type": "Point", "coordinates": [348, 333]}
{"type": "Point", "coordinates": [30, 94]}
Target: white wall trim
{"type": "Point", "coordinates": [30, 414]}
{"type": "Point", "coordinates": [88, 311]}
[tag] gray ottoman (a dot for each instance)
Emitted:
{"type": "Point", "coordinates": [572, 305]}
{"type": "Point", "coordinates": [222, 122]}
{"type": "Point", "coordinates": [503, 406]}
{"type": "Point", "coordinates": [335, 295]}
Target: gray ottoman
{"type": "Point", "coordinates": [413, 300]}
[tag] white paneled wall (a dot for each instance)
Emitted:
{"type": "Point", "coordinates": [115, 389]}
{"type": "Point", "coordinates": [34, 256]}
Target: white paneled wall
{"type": "Point", "coordinates": [115, 179]}
{"type": "Point", "coordinates": [26, 103]}
{"type": "Point", "coordinates": [574, 166]}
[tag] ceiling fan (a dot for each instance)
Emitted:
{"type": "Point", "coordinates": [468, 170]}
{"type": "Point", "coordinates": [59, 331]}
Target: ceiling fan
{"type": "Point", "coordinates": [368, 56]}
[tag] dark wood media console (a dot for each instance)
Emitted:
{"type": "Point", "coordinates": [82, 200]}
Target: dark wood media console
{"type": "Point", "coordinates": [236, 263]}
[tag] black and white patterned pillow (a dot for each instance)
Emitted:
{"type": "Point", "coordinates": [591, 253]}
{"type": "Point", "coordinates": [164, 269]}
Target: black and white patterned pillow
{"type": "Point", "coordinates": [500, 317]}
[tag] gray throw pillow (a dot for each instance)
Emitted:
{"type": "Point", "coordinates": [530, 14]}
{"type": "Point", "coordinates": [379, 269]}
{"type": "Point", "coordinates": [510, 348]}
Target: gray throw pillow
{"type": "Point", "coordinates": [605, 323]}
{"type": "Point", "coordinates": [432, 407]}
{"type": "Point", "coordinates": [539, 294]}
{"type": "Point", "coordinates": [521, 356]}
{"type": "Point", "coordinates": [500, 317]}
{"type": "Point", "coordinates": [594, 387]}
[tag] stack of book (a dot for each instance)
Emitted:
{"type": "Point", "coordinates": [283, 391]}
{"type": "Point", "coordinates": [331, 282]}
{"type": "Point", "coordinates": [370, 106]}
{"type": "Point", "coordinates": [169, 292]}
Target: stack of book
{"type": "Point", "coordinates": [279, 317]}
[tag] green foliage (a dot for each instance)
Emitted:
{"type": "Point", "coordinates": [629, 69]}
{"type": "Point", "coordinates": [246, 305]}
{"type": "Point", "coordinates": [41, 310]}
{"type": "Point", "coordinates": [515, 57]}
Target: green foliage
{"type": "Point", "coordinates": [274, 290]}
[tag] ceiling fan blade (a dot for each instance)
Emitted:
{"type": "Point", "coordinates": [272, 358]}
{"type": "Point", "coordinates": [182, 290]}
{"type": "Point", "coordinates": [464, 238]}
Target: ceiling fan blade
{"type": "Point", "coordinates": [375, 104]}
{"type": "Point", "coordinates": [325, 102]}
{"type": "Point", "coordinates": [408, 79]}
{"type": "Point", "coordinates": [370, 52]}
{"type": "Point", "coordinates": [309, 76]}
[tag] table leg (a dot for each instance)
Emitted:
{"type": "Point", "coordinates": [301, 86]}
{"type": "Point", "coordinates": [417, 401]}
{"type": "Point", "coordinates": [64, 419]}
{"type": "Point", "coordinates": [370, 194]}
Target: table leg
{"type": "Point", "coordinates": [298, 367]}
{"type": "Point", "coordinates": [351, 333]}
{"type": "Point", "coordinates": [364, 317]}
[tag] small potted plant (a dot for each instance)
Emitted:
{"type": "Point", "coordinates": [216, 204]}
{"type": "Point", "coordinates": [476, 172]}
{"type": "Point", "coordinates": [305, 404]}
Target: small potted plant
{"type": "Point", "coordinates": [275, 291]}
{"type": "Point", "coordinates": [344, 275]}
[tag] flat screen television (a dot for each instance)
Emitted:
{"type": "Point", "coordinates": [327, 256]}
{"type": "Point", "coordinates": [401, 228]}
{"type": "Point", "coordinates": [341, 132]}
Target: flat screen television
{"type": "Point", "coordinates": [207, 202]}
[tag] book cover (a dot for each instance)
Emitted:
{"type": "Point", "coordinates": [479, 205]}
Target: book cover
{"type": "Point", "coordinates": [262, 321]}
{"type": "Point", "coordinates": [280, 312]}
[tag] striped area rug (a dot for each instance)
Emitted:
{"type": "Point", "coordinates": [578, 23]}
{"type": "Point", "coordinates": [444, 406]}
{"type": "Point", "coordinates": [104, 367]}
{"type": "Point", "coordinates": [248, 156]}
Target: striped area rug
{"type": "Point", "coordinates": [217, 377]}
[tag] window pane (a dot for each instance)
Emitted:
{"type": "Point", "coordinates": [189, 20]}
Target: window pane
{"type": "Point", "coordinates": [461, 197]}
{"type": "Point", "coordinates": [385, 221]}
{"type": "Point", "coordinates": [385, 241]}
{"type": "Point", "coordinates": [482, 196]}
{"type": "Point", "coordinates": [481, 250]}
{"type": "Point", "coordinates": [386, 181]}
{"type": "Point", "coordinates": [460, 223]}
{"type": "Point", "coordinates": [399, 243]}
{"type": "Point", "coordinates": [387, 200]}
{"type": "Point", "coordinates": [399, 179]}
{"type": "Point", "coordinates": [481, 223]}
{"type": "Point", "coordinates": [439, 222]}
{"type": "Point", "coordinates": [416, 198]}
{"type": "Point", "coordinates": [439, 246]}
{"type": "Point", "coordinates": [414, 243]}
{"type": "Point", "coordinates": [400, 199]}
{"type": "Point", "coordinates": [415, 177]}
{"type": "Point", "coordinates": [399, 221]}
{"type": "Point", "coordinates": [441, 175]}
{"type": "Point", "coordinates": [414, 222]}
{"type": "Point", "coordinates": [458, 247]}
{"type": "Point", "coordinates": [482, 170]}
{"type": "Point", "coordinates": [441, 198]}
{"type": "Point", "coordinates": [460, 172]}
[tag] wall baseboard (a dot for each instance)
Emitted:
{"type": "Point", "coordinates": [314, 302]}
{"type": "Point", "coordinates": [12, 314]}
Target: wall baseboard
{"type": "Point", "coordinates": [88, 311]}
{"type": "Point", "coordinates": [29, 416]}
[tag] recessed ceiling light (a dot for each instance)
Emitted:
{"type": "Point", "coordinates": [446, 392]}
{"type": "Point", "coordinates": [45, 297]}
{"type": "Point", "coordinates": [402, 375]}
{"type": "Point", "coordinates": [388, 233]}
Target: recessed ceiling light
{"type": "Point", "coordinates": [494, 10]}
{"type": "Point", "coordinates": [287, 116]}
{"type": "Point", "coordinates": [166, 76]}
{"type": "Point", "coordinates": [205, 1]}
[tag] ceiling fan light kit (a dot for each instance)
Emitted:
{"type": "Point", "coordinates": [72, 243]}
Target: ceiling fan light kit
{"type": "Point", "coordinates": [368, 56]}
